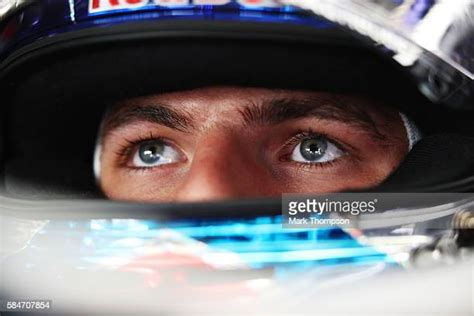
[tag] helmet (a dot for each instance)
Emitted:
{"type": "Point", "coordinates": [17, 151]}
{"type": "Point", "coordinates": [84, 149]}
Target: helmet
{"type": "Point", "coordinates": [64, 64]}
{"type": "Point", "coordinates": [59, 62]}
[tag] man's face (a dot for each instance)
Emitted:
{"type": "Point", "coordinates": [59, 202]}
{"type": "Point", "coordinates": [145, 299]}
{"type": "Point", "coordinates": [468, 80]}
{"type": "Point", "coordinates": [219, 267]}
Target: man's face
{"type": "Point", "coordinates": [230, 142]}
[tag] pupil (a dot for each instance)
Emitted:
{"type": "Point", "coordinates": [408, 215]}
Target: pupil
{"type": "Point", "coordinates": [150, 153]}
{"type": "Point", "coordinates": [313, 149]}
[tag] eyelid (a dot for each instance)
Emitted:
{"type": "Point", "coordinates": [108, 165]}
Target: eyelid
{"type": "Point", "coordinates": [302, 134]}
{"type": "Point", "coordinates": [127, 151]}
{"type": "Point", "coordinates": [292, 142]}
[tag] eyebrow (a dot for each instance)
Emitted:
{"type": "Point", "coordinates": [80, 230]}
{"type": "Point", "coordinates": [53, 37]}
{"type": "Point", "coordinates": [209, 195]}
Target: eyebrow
{"type": "Point", "coordinates": [276, 111]}
{"type": "Point", "coordinates": [267, 112]}
{"type": "Point", "coordinates": [161, 114]}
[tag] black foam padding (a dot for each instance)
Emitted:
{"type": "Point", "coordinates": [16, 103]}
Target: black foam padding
{"type": "Point", "coordinates": [52, 179]}
{"type": "Point", "coordinates": [435, 162]}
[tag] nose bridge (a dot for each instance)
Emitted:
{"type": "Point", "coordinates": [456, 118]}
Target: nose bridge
{"type": "Point", "coordinates": [221, 168]}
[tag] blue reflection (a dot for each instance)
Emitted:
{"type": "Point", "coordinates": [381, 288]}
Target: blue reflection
{"type": "Point", "coordinates": [149, 253]}
{"type": "Point", "coordinates": [258, 242]}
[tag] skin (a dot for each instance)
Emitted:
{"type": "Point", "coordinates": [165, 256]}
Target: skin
{"type": "Point", "coordinates": [231, 145]}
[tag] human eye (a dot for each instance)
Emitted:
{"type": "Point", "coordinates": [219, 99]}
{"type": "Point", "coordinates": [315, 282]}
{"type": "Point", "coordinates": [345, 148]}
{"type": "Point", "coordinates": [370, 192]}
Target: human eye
{"type": "Point", "coordinates": [153, 153]}
{"type": "Point", "coordinates": [313, 148]}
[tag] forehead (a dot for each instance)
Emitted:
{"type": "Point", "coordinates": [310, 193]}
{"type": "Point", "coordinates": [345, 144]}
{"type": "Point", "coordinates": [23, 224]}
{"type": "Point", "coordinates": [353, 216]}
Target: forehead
{"type": "Point", "coordinates": [243, 106]}
{"type": "Point", "coordinates": [209, 97]}
{"type": "Point", "coordinates": [222, 99]}
{"type": "Point", "coordinates": [218, 104]}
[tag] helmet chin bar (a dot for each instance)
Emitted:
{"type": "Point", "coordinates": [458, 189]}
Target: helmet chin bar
{"type": "Point", "coordinates": [414, 229]}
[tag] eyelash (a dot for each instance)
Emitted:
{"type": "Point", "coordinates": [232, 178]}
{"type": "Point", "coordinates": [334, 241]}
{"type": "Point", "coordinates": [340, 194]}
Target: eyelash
{"type": "Point", "coordinates": [125, 151]}
{"type": "Point", "coordinates": [300, 136]}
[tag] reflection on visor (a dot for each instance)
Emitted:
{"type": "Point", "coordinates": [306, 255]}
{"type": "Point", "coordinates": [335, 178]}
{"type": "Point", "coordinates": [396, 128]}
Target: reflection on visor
{"type": "Point", "coordinates": [256, 243]}
{"type": "Point", "coordinates": [185, 261]}
{"type": "Point", "coordinates": [237, 255]}
{"type": "Point", "coordinates": [432, 38]}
